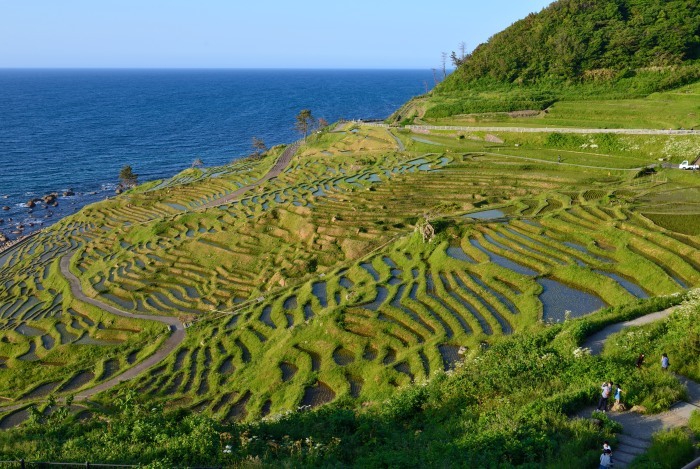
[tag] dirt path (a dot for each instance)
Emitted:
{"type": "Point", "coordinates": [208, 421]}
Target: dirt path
{"type": "Point", "coordinates": [400, 144]}
{"type": "Point", "coordinates": [276, 170]}
{"type": "Point", "coordinates": [561, 130]}
{"type": "Point", "coordinates": [526, 158]}
{"type": "Point", "coordinates": [533, 130]}
{"type": "Point", "coordinates": [177, 333]}
{"type": "Point", "coordinates": [638, 429]}
{"type": "Point", "coordinates": [175, 326]}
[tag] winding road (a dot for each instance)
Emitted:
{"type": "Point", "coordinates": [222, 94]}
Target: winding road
{"type": "Point", "coordinates": [638, 428]}
{"type": "Point", "coordinates": [175, 326]}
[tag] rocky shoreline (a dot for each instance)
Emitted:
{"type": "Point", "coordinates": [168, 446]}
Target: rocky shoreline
{"type": "Point", "coordinates": [20, 220]}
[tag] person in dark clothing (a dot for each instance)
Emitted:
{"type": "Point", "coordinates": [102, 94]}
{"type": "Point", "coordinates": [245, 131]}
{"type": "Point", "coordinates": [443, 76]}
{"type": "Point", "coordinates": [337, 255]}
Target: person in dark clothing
{"type": "Point", "coordinates": [640, 360]}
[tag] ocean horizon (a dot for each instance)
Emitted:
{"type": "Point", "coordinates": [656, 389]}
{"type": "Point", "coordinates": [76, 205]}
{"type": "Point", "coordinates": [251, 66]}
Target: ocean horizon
{"type": "Point", "coordinates": [74, 128]}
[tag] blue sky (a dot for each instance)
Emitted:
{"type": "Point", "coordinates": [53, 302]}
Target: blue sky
{"type": "Point", "coordinates": [247, 33]}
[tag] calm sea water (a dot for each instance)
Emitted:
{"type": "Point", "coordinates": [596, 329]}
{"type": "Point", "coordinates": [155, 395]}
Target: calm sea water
{"type": "Point", "coordinates": [74, 129]}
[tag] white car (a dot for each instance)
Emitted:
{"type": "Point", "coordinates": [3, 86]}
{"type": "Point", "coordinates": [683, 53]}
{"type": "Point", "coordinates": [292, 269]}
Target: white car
{"type": "Point", "coordinates": [687, 165]}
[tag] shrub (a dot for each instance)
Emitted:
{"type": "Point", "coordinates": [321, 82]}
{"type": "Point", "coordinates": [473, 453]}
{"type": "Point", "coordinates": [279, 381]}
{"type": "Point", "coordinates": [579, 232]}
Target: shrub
{"type": "Point", "coordinates": [694, 423]}
{"type": "Point", "coordinates": [669, 449]}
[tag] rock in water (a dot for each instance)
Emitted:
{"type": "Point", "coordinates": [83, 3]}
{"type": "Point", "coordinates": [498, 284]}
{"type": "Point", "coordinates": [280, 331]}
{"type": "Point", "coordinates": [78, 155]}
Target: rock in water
{"type": "Point", "coordinates": [50, 198]}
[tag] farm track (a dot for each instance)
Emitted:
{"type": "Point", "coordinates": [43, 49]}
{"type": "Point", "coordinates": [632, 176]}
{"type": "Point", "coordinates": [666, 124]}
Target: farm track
{"type": "Point", "coordinates": [638, 429]}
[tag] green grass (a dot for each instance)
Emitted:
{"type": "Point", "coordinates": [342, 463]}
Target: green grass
{"type": "Point", "coordinates": [508, 404]}
{"type": "Point", "coordinates": [593, 105]}
{"type": "Point", "coordinates": [669, 449]}
{"type": "Point", "coordinates": [681, 223]}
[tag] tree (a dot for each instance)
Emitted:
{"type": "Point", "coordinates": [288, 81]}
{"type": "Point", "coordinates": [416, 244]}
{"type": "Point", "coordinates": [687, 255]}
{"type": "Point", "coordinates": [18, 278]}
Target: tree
{"type": "Point", "coordinates": [304, 121]}
{"type": "Point", "coordinates": [197, 163]}
{"type": "Point", "coordinates": [321, 123]}
{"type": "Point", "coordinates": [443, 58]}
{"type": "Point", "coordinates": [462, 50]}
{"type": "Point", "coordinates": [259, 146]}
{"type": "Point", "coordinates": [127, 177]}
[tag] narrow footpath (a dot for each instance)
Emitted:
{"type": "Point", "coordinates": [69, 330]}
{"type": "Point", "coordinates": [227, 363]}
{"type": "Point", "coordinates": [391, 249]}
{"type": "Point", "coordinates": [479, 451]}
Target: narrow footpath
{"type": "Point", "coordinates": [534, 130]}
{"type": "Point", "coordinates": [638, 428]}
{"type": "Point", "coordinates": [276, 170]}
{"type": "Point", "coordinates": [175, 326]}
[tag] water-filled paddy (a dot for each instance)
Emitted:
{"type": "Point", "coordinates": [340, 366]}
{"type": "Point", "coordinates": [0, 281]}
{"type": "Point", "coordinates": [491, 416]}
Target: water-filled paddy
{"type": "Point", "coordinates": [558, 298]}
{"type": "Point", "coordinates": [486, 215]}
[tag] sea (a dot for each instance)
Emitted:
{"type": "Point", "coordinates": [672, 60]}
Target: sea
{"type": "Point", "coordinates": [71, 131]}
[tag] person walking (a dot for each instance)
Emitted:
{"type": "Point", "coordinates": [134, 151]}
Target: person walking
{"type": "Point", "coordinates": [605, 459]}
{"type": "Point", "coordinates": [664, 362]}
{"type": "Point", "coordinates": [606, 388]}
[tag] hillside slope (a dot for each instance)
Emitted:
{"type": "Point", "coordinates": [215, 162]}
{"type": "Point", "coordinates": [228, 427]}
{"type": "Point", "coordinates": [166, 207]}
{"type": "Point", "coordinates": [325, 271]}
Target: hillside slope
{"type": "Point", "coordinates": [570, 51]}
{"type": "Point", "coordinates": [581, 39]}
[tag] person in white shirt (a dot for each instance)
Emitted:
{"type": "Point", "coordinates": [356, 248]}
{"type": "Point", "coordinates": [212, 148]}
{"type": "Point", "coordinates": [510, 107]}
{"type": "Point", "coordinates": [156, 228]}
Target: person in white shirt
{"type": "Point", "coordinates": [606, 388]}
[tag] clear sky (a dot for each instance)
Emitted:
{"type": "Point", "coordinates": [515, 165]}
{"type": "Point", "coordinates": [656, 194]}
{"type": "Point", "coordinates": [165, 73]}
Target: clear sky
{"type": "Point", "coordinates": [247, 33]}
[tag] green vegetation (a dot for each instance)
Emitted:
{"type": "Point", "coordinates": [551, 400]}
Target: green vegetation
{"type": "Point", "coordinates": [669, 449]}
{"type": "Point", "coordinates": [575, 56]}
{"type": "Point", "coordinates": [510, 404]}
{"type": "Point", "coordinates": [314, 290]}
{"type": "Point", "coordinates": [579, 40]}
{"type": "Point", "coordinates": [325, 329]}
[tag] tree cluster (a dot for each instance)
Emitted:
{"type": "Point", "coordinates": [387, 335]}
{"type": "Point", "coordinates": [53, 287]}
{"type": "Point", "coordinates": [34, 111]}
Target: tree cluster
{"type": "Point", "coordinates": [572, 40]}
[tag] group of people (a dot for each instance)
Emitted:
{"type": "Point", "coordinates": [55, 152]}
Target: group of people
{"type": "Point", "coordinates": [606, 389]}
{"type": "Point", "coordinates": [664, 361]}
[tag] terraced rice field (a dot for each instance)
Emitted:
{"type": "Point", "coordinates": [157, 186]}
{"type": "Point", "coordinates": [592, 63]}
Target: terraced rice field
{"type": "Point", "coordinates": [314, 286]}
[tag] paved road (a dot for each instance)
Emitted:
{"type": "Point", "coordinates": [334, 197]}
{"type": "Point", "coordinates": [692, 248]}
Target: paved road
{"type": "Point", "coordinates": [638, 429]}
{"type": "Point", "coordinates": [177, 333]}
{"type": "Point", "coordinates": [596, 341]}
{"type": "Point", "coordinates": [276, 170]}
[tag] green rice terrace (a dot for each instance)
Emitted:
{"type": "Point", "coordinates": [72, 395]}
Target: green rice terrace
{"type": "Point", "coordinates": [315, 286]}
